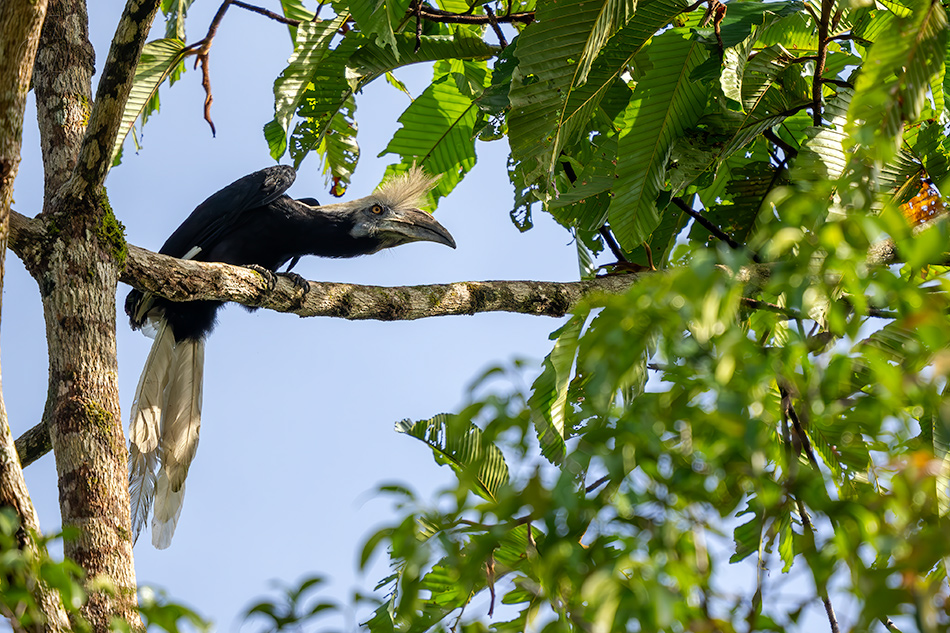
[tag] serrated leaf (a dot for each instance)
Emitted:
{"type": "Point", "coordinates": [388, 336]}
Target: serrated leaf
{"type": "Point", "coordinates": [462, 445]}
{"type": "Point", "coordinates": [826, 152]}
{"type": "Point", "coordinates": [158, 59]}
{"type": "Point", "coordinates": [665, 103]}
{"type": "Point", "coordinates": [786, 547]}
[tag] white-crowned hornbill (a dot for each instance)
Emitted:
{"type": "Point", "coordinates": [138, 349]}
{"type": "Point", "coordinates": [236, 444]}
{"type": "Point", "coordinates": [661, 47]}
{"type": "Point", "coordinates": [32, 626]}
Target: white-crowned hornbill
{"type": "Point", "coordinates": [249, 222]}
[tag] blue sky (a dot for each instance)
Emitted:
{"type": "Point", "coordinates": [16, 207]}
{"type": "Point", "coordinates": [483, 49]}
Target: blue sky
{"type": "Point", "coordinates": [298, 413]}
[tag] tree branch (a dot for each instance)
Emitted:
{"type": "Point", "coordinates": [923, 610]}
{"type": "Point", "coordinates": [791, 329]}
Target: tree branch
{"type": "Point", "coordinates": [432, 14]}
{"type": "Point", "coordinates": [823, 22]}
{"type": "Point", "coordinates": [183, 280]}
{"type": "Point", "coordinates": [113, 93]}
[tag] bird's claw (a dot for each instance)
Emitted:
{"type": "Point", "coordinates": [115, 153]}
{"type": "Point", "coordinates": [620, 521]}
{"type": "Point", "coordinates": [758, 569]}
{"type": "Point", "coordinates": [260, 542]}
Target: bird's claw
{"type": "Point", "coordinates": [269, 277]}
{"type": "Point", "coordinates": [297, 281]}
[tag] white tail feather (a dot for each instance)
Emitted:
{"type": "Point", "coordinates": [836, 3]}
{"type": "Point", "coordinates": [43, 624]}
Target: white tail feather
{"type": "Point", "coordinates": [141, 486]}
{"type": "Point", "coordinates": [145, 427]}
{"type": "Point", "coordinates": [182, 413]}
{"type": "Point", "coordinates": [167, 510]}
{"type": "Point", "coordinates": [166, 418]}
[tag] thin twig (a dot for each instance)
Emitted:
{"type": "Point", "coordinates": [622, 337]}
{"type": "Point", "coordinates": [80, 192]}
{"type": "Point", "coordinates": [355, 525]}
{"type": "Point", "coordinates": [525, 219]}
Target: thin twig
{"type": "Point", "coordinates": [433, 14]}
{"type": "Point", "coordinates": [490, 579]}
{"type": "Point", "coordinates": [789, 409]}
{"type": "Point", "coordinates": [757, 304]}
{"type": "Point", "coordinates": [837, 82]}
{"type": "Point", "coordinates": [206, 84]}
{"type": "Point", "coordinates": [495, 27]}
{"type": "Point", "coordinates": [826, 7]}
{"type": "Point", "coordinates": [203, 52]}
{"type": "Point", "coordinates": [612, 243]}
{"type": "Point", "coordinates": [417, 10]}
{"type": "Point", "coordinates": [597, 484]}
{"type": "Point", "coordinates": [706, 224]}
{"type": "Point", "coordinates": [649, 251]}
{"type": "Point", "coordinates": [789, 414]}
{"type": "Point", "coordinates": [270, 14]}
{"type": "Point", "coordinates": [719, 14]}
{"type": "Point", "coordinates": [776, 140]}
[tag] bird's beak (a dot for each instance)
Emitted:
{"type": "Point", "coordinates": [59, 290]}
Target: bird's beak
{"type": "Point", "coordinates": [413, 225]}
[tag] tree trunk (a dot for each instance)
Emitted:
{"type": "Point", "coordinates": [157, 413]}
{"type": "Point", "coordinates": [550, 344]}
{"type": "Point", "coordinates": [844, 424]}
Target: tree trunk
{"type": "Point", "coordinates": [20, 23]}
{"type": "Point", "coordinates": [76, 264]}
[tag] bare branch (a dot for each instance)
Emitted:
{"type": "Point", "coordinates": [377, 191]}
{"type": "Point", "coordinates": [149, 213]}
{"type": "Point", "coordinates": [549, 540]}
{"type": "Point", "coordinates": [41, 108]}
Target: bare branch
{"type": "Point", "coordinates": [181, 280]}
{"type": "Point", "coordinates": [270, 14]}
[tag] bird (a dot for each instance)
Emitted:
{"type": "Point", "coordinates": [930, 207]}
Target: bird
{"type": "Point", "coordinates": [253, 223]}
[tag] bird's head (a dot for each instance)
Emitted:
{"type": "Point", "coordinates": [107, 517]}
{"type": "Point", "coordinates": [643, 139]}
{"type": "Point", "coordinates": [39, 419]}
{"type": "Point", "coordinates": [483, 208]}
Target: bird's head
{"type": "Point", "coordinates": [391, 214]}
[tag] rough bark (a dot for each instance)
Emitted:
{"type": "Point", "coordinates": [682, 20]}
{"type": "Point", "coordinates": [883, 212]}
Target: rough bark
{"type": "Point", "coordinates": [62, 83]}
{"type": "Point", "coordinates": [76, 265]}
{"type": "Point", "coordinates": [20, 24]}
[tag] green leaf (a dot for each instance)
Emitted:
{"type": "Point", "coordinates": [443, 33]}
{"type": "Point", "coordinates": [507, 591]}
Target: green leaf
{"type": "Point", "coordinates": [461, 444]}
{"type": "Point", "coordinates": [354, 63]}
{"type": "Point", "coordinates": [158, 59]}
{"type": "Point", "coordinates": [339, 148]}
{"type": "Point", "coordinates": [175, 12]}
{"type": "Point", "coordinates": [612, 16]}
{"type": "Point", "coordinates": [941, 447]}
{"type": "Point", "coordinates": [549, 105]}
{"type": "Point", "coordinates": [891, 88]}
{"type": "Point", "coordinates": [747, 537]}
{"type": "Point", "coordinates": [376, 18]}
{"type": "Point", "coordinates": [295, 10]}
{"type": "Point", "coordinates": [548, 400]}
{"type": "Point", "coordinates": [665, 103]}
{"type": "Point", "coordinates": [438, 129]}
{"type": "Point", "coordinates": [786, 535]}
{"type": "Point", "coordinates": [826, 152]}
{"type": "Point", "coordinates": [311, 47]}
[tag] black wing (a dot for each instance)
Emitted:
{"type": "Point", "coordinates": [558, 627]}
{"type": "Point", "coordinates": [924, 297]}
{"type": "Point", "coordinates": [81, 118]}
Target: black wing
{"type": "Point", "coordinates": [217, 215]}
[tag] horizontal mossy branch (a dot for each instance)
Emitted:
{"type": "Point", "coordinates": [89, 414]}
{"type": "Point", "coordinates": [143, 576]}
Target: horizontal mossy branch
{"type": "Point", "coordinates": [182, 280]}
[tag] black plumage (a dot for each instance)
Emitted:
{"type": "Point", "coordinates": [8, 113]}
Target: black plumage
{"type": "Point", "coordinates": [249, 222]}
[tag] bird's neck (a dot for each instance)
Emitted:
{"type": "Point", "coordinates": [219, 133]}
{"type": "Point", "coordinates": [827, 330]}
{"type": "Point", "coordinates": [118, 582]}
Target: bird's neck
{"type": "Point", "coordinates": [325, 232]}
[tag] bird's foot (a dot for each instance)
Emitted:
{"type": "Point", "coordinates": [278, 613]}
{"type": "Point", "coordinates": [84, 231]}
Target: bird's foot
{"type": "Point", "coordinates": [297, 281]}
{"type": "Point", "coordinates": [269, 277]}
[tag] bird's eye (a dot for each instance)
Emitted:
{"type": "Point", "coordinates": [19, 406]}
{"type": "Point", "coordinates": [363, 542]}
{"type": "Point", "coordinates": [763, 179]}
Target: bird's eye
{"type": "Point", "coordinates": [377, 209]}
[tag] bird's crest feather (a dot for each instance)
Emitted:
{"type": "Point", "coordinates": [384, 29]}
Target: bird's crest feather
{"type": "Point", "coordinates": [406, 191]}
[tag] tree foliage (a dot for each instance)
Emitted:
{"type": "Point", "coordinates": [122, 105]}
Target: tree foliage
{"type": "Point", "coordinates": [774, 384]}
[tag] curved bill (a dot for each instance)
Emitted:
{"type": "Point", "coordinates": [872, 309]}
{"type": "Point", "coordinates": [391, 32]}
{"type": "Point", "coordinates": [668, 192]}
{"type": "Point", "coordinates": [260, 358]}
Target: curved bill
{"type": "Point", "coordinates": [413, 225]}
